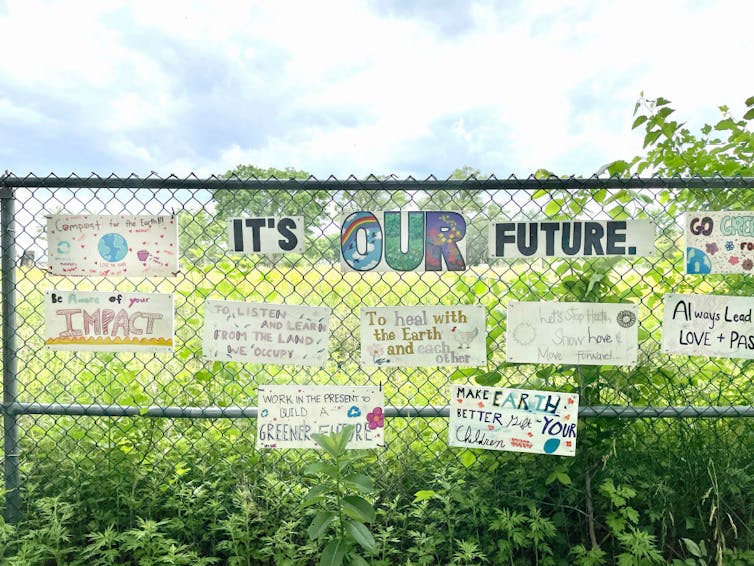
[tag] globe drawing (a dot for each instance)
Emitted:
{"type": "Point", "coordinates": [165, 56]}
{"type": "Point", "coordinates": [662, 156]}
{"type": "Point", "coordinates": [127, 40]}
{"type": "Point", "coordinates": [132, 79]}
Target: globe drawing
{"type": "Point", "coordinates": [697, 261]}
{"type": "Point", "coordinates": [113, 247]}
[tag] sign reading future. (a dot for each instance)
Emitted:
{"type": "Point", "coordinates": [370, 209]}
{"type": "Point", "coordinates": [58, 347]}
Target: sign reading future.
{"type": "Point", "coordinates": [719, 242]}
{"type": "Point", "coordinates": [575, 238]}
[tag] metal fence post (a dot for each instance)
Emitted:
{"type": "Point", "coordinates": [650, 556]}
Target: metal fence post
{"type": "Point", "coordinates": [10, 390]}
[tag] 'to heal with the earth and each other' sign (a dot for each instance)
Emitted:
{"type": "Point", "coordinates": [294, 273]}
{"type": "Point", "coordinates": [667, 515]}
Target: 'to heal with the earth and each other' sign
{"type": "Point", "coordinates": [266, 333]}
{"type": "Point", "coordinates": [116, 321]}
{"type": "Point", "coordinates": [116, 245]}
{"type": "Point", "coordinates": [572, 238]}
{"type": "Point", "coordinates": [719, 242]}
{"type": "Point", "coordinates": [289, 414]}
{"type": "Point", "coordinates": [572, 333]}
{"type": "Point", "coordinates": [403, 241]}
{"type": "Point", "coordinates": [518, 420]}
{"type": "Point", "coordinates": [266, 235]}
{"type": "Point", "coordinates": [708, 325]}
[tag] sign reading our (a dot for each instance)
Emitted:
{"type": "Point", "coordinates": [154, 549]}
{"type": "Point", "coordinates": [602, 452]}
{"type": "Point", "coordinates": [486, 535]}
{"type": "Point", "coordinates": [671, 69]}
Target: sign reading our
{"type": "Point", "coordinates": [403, 241]}
{"type": "Point", "coordinates": [424, 336]}
{"type": "Point", "coordinates": [708, 325]}
{"type": "Point", "coordinates": [572, 238]}
{"type": "Point", "coordinates": [266, 235]}
{"type": "Point", "coordinates": [518, 420]}
{"type": "Point", "coordinates": [93, 321]}
{"type": "Point", "coordinates": [572, 333]}
{"type": "Point", "coordinates": [266, 333]}
{"type": "Point", "coordinates": [99, 245]}
{"type": "Point", "coordinates": [289, 414]}
{"type": "Point", "coordinates": [719, 242]}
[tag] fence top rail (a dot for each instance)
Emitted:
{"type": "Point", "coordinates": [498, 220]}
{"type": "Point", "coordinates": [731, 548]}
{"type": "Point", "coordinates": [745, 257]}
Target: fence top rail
{"type": "Point", "coordinates": [11, 181]}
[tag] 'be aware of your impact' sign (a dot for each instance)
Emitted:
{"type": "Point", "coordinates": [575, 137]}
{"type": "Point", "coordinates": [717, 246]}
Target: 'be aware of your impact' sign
{"type": "Point", "coordinates": [719, 242]}
{"type": "Point", "coordinates": [266, 333]}
{"type": "Point", "coordinates": [708, 325]}
{"type": "Point", "coordinates": [518, 420]}
{"type": "Point", "coordinates": [424, 336]}
{"type": "Point", "coordinates": [574, 238]}
{"type": "Point", "coordinates": [289, 414]}
{"type": "Point", "coordinates": [572, 333]}
{"type": "Point", "coordinates": [93, 321]}
{"type": "Point", "coordinates": [100, 245]}
{"type": "Point", "coordinates": [266, 235]}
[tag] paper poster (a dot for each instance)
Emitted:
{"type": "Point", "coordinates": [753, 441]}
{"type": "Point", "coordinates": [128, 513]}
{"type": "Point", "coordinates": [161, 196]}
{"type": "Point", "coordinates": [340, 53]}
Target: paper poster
{"type": "Point", "coordinates": [708, 325]}
{"type": "Point", "coordinates": [516, 420]}
{"type": "Point", "coordinates": [719, 242]}
{"type": "Point", "coordinates": [266, 235]}
{"type": "Point", "coordinates": [98, 245]}
{"type": "Point", "coordinates": [93, 321]}
{"type": "Point", "coordinates": [289, 414]}
{"type": "Point", "coordinates": [266, 333]}
{"type": "Point", "coordinates": [576, 238]}
{"type": "Point", "coordinates": [403, 241]}
{"type": "Point", "coordinates": [424, 336]}
{"type": "Point", "coordinates": [572, 333]}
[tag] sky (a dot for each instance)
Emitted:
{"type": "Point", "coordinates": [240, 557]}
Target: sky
{"type": "Point", "coordinates": [384, 87]}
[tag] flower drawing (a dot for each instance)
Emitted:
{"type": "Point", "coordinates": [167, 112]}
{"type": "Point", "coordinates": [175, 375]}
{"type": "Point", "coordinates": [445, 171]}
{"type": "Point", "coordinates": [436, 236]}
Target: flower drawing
{"type": "Point", "coordinates": [375, 418]}
{"type": "Point", "coordinates": [712, 248]}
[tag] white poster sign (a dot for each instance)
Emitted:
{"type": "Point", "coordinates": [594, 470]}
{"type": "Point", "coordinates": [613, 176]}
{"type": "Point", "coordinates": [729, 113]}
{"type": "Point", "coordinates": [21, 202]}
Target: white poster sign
{"type": "Point", "coordinates": [93, 321]}
{"type": "Point", "coordinates": [572, 333]}
{"type": "Point", "coordinates": [517, 420]}
{"type": "Point", "coordinates": [424, 336]}
{"type": "Point", "coordinates": [266, 333]}
{"type": "Point", "coordinates": [289, 414]}
{"type": "Point", "coordinates": [719, 242]}
{"type": "Point", "coordinates": [572, 238]}
{"type": "Point", "coordinates": [708, 325]}
{"type": "Point", "coordinates": [266, 235]}
{"type": "Point", "coordinates": [99, 245]}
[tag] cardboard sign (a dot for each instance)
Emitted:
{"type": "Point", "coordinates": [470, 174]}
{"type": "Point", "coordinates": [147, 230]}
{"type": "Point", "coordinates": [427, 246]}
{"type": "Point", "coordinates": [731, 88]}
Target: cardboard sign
{"type": "Point", "coordinates": [266, 333]}
{"type": "Point", "coordinates": [424, 336]}
{"type": "Point", "coordinates": [516, 420]}
{"type": "Point", "coordinates": [266, 235]}
{"type": "Point", "coordinates": [708, 325]}
{"type": "Point", "coordinates": [572, 333]}
{"type": "Point", "coordinates": [289, 414]}
{"type": "Point", "coordinates": [403, 241]}
{"type": "Point", "coordinates": [719, 242]}
{"type": "Point", "coordinates": [98, 245]}
{"type": "Point", "coordinates": [576, 238]}
{"type": "Point", "coordinates": [92, 321]}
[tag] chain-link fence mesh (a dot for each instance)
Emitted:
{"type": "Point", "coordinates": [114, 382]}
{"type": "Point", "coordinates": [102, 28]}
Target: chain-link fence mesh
{"type": "Point", "coordinates": [81, 415]}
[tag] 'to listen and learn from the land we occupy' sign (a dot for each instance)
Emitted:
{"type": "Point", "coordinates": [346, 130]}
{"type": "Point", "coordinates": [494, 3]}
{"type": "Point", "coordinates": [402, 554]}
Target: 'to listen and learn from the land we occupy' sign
{"type": "Point", "coordinates": [719, 242]}
{"type": "Point", "coordinates": [519, 420]}
{"type": "Point", "coordinates": [708, 325]}
{"type": "Point", "coordinates": [266, 333]}
{"type": "Point", "coordinates": [289, 414]}
{"type": "Point", "coordinates": [266, 235]}
{"type": "Point", "coordinates": [99, 245]}
{"type": "Point", "coordinates": [572, 333]}
{"type": "Point", "coordinates": [572, 238]}
{"type": "Point", "coordinates": [93, 321]}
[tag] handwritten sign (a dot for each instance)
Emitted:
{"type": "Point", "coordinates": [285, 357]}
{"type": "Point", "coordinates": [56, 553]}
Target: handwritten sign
{"type": "Point", "coordinates": [708, 325]}
{"type": "Point", "coordinates": [719, 242]}
{"type": "Point", "coordinates": [516, 420]}
{"type": "Point", "coordinates": [266, 235]}
{"type": "Point", "coordinates": [289, 414]}
{"type": "Point", "coordinates": [424, 336]}
{"type": "Point", "coordinates": [403, 241]}
{"type": "Point", "coordinates": [572, 333]}
{"type": "Point", "coordinates": [266, 333]}
{"type": "Point", "coordinates": [87, 245]}
{"type": "Point", "coordinates": [93, 321]}
{"type": "Point", "coordinates": [575, 238]}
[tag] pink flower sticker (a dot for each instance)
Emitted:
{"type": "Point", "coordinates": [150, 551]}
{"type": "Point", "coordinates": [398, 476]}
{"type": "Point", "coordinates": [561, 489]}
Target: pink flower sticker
{"type": "Point", "coordinates": [375, 418]}
{"type": "Point", "coordinates": [733, 260]}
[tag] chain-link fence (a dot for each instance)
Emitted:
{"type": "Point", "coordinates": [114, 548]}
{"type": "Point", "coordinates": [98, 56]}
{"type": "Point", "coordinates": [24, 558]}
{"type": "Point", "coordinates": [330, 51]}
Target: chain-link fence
{"type": "Point", "coordinates": [63, 408]}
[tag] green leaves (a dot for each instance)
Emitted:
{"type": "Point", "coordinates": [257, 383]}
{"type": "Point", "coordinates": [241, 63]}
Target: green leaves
{"type": "Point", "coordinates": [320, 523]}
{"type": "Point", "coordinates": [361, 535]}
{"type": "Point", "coordinates": [358, 508]}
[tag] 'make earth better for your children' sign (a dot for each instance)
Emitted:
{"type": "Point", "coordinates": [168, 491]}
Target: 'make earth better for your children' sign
{"type": "Point", "coordinates": [541, 422]}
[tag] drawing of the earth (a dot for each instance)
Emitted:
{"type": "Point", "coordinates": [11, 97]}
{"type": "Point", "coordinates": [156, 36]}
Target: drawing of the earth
{"type": "Point", "coordinates": [113, 247]}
